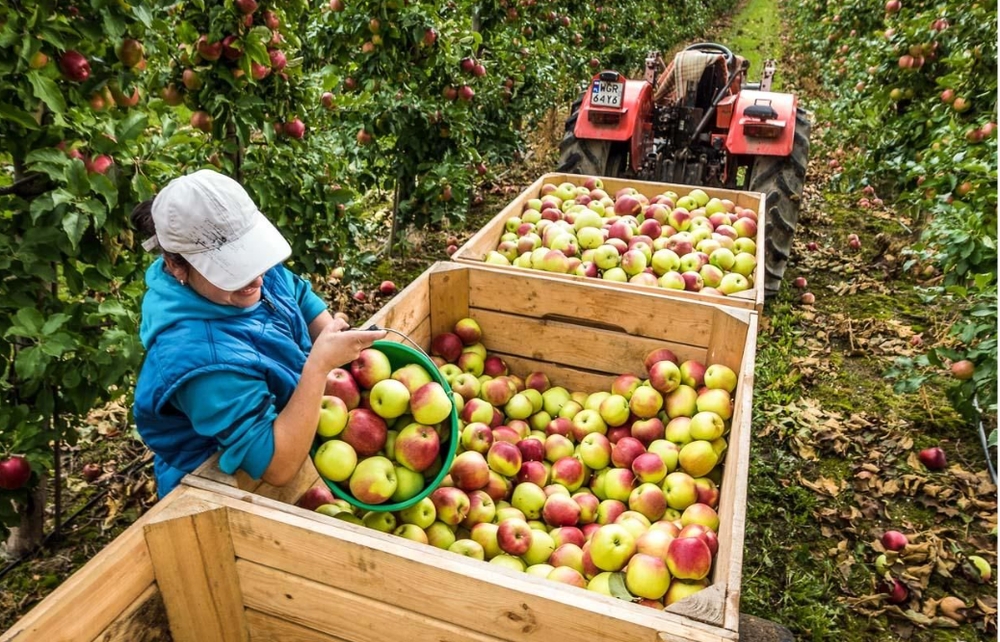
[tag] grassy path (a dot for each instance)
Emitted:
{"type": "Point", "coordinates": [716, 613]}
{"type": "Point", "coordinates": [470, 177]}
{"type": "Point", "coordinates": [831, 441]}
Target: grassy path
{"type": "Point", "coordinates": [833, 462]}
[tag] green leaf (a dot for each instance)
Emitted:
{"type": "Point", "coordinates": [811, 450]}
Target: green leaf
{"type": "Point", "coordinates": [57, 345]}
{"type": "Point", "coordinates": [112, 308]}
{"type": "Point", "coordinates": [46, 90]}
{"type": "Point", "coordinates": [131, 126]}
{"type": "Point", "coordinates": [47, 155]}
{"type": "Point", "coordinates": [142, 187]}
{"type": "Point", "coordinates": [114, 24]}
{"type": "Point", "coordinates": [30, 319]}
{"type": "Point", "coordinates": [17, 115]}
{"type": "Point", "coordinates": [55, 322]}
{"type": "Point", "coordinates": [616, 584]}
{"type": "Point", "coordinates": [103, 186]}
{"type": "Point", "coordinates": [96, 209]}
{"type": "Point", "coordinates": [77, 179]}
{"type": "Point", "coordinates": [143, 15]}
{"type": "Point", "coordinates": [30, 363]}
{"type": "Point", "coordinates": [75, 223]}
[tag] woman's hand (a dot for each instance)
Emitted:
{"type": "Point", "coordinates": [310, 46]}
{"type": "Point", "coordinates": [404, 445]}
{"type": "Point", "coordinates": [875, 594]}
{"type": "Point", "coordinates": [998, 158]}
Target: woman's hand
{"type": "Point", "coordinates": [337, 344]}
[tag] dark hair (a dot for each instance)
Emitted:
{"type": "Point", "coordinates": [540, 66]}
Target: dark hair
{"type": "Point", "coordinates": [142, 221]}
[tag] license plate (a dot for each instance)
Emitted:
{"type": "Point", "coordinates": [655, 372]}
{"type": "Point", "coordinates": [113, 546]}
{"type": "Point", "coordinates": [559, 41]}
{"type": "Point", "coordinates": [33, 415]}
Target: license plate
{"type": "Point", "coordinates": [607, 94]}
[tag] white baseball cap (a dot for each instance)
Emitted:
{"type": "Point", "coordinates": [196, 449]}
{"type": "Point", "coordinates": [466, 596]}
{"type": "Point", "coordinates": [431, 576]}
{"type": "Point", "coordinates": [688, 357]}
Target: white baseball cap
{"type": "Point", "coordinates": [210, 220]}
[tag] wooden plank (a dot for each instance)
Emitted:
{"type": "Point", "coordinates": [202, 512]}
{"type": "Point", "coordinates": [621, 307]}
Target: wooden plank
{"type": "Point", "coordinates": [407, 310]}
{"type": "Point", "coordinates": [145, 620]}
{"type": "Point", "coordinates": [566, 344]}
{"type": "Point", "coordinates": [353, 617]}
{"type": "Point", "coordinates": [536, 294]}
{"type": "Point", "coordinates": [209, 469]}
{"type": "Point", "coordinates": [707, 605]}
{"type": "Point", "coordinates": [729, 338]}
{"type": "Point", "coordinates": [82, 607]}
{"type": "Point", "coordinates": [449, 295]}
{"type": "Point", "coordinates": [268, 628]}
{"type": "Point", "coordinates": [486, 239]}
{"type": "Point", "coordinates": [736, 478]}
{"type": "Point", "coordinates": [570, 378]}
{"type": "Point", "coordinates": [194, 564]}
{"type": "Point", "coordinates": [304, 479]}
{"type": "Point", "coordinates": [480, 597]}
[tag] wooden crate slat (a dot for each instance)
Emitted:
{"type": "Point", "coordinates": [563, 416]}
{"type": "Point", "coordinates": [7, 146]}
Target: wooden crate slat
{"type": "Point", "coordinates": [145, 620]}
{"type": "Point", "coordinates": [535, 294]}
{"type": "Point", "coordinates": [565, 344]}
{"type": "Point", "coordinates": [449, 298]}
{"type": "Point", "coordinates": [268, 628]}
{"type": "Point", "coordinates": [353, 617]}
{"type": "Point", "coordinates": [304, 479]}
{"type": "Point", "coordinates": [359, 559]}
{"type": "Point", "coordinates": [409, 308]}
{"type": "Point", "coordinates": [194, 564]}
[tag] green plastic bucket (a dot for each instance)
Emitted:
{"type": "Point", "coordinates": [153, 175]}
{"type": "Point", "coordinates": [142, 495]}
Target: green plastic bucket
{"type": "Point", "coordinates": [400, 355]}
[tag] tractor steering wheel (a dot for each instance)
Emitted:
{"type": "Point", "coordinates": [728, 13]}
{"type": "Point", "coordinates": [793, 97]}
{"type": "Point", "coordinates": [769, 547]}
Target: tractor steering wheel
{"type": "Point", "coordinates": [712, 47]}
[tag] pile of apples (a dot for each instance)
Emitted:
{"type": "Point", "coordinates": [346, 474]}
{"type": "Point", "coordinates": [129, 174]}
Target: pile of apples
{"type": "Point", "coordinates": [383, 428]}
{"type": "Point", "coordinates": [690, 242]}
{"type": "Point", "coordinates": [615, 491]}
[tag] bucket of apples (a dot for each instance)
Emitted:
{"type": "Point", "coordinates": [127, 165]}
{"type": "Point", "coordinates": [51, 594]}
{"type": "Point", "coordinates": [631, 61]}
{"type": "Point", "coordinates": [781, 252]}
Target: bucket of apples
{"type": "Point", "coordinates": [388, 429]}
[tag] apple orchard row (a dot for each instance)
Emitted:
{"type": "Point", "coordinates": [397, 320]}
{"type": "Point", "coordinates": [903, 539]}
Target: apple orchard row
{"type": "Point", "coordinates": [690, 242]}
{"type": "Point", "coordinates": [614, 490]}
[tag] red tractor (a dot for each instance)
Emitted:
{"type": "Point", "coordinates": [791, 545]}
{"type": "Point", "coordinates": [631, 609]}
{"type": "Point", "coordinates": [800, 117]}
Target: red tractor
{"type": "Point", "coordinates": [698, 121]}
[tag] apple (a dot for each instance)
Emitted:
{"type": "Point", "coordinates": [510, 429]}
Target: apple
{"type": "Point", "coordinates": [340, 383]}
{"type": "Point", "coordinates": [468, 330]}
{"type": "Point", "coordinates": [698, 458]}
{"type": "Point", "coordinates": [529, 498]}
{"type": "Point", "coordinates": [625, 452]}
{"type": "Point", "coordinates": [365, 431]}
{"type": "Point", "coordinates": [625, 385]}
{"type": "Point", "coordinates": [613, 410]}
{"type": "Point", "coordinates": [373, 480]}
{"type": "Point", "coordinates": [485, 535]}
{"type": "Point", "coordinates": [589, 504]}
{"type": "Point", "coordinates": [540, 548]}
{"type": "Point", "coordinates": [538, 381]}
{"type": "Point", "coordinates": [413, 376]}
{"type": "Point", "coordinates": [477, 411]}
{"type": "Point", "coordinates": [701, 514]}
{"type": "Point", "coordinates": [310, 500]}
{"type": "Point", "coordinates": [411, 532]}
{"type": "Point", "coordinates": [586, 422]}
{"type": "Point", "coordinates": [609, 510]}
{"type": "Point", "coordinates": [451, 504]}
{"type": "Point", "coordinates": [422, 514]}
{"type": "Point", "coordinates": [647, 430]}
{"type": "Point", "coordinates": [658, 355]}
{"type": "Point", "coordinates": [431, 404]}
{"type": "Point", "coordinates": [505, 433]}
{"type": "Point", "coordinates": [494, 366]}
{"type": "Point", "coordinates": [557, 447]}
{"type": "Point", "coordinates": [649, 468]}
{"type": "Point", "coordinates": [982, 567]}
{"type": "Point", "coordinates": [560, 510]}
{"type": "Point", "coordinates": [447, 345]}
{"type": "Point", "coordinates": [417, 447]}
{"type": "Point", "coordinates": [470, 471]}
{"type": "Point", "coordinates": [567, 575]}
{"type": "Point", "coordinates": [74, 66]}
{"type": "Point", "coordinates": [707, 426]}
{"type": "Point", "coordinates": [531, 449]}
{"type": "Point", "coordinates": [667, 451]}
{"type": "Point", "coordinates": [504, 458]}
{"type": "Point", "coordinates": [482, 509]}
{"type": "Point", "coordinates": [567, 555]}
{"type": "Point", "coordinates": [15, 472]}
{"type": "Point", "coordinates": [595, 451]}
{"type": "Point", "coordinates": [477, 436]}
{"type": "Point", "coordinates": [618, 484]}
{"type": "Point", "coordinates": [680, 590]}
{"type": "Point", "coordinates": [664, 376]}
{"type": "Point", "coordinates": [519, 407]}
{"type": "Point", "coordinates": [680, 490]}
{"type": "Point", "coordinates": [569, 472]}
{"type": "Point", "coordinates": [682, 402]}
{"type": "Point", "coordinates": [963, 370]}
{"type": "Point", "coordinates": [715, 400]}
{"type": "Point", "coordinates": [693, 374]}
{"type": "Point", "coordinates": [933, 458]}
{"type": "Point", "coordinates": [389, 399]}
{"type": "Point", "coordinates": [332, 416]}
{"type": "Point", "coordinates": [370, 367]}
{"type": "Point", "coordinates": [514, 536]}
{"type": "Point", "coordinates": [335, 460]}
{"type": "Point", "coordinates": [894, 540]}
{"type": "Point", "coordinates": [554, 399]}
{"type": "Point", "coordinates": [689, 558]}
{"type": "Point", "coordinates": [896, 590]}
{"type": "Point", "coordinates": [611, 547]}
{"type": "Point", "coordinates": [718, 376]}
{"type": "Point", "coordinates": [647, 576]}
{"type": "Point", "coordinates": [648, 500]}
{"type": "Point", "coordinates": [708, 491]}
{"type": "Point", "coordinates": [654, 541]}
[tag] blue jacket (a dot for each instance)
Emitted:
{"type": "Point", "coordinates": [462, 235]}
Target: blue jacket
{"type": "Point", "coordinates": [215, 377]}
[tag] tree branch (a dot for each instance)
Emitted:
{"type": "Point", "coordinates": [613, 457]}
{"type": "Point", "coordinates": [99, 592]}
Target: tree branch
{"type": "Point", "coordinates": [29, 187]}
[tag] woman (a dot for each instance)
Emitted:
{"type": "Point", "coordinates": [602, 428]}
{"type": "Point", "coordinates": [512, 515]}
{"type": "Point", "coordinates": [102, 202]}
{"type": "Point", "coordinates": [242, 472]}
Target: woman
{"type": "Point", "coordinates": [237, 347]}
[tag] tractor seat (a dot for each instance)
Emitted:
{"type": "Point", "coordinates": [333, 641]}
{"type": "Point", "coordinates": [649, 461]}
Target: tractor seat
{"type": "Point", "coordinates": [692, 71]}
{"type": "Point", "coordinates": [763, 112]}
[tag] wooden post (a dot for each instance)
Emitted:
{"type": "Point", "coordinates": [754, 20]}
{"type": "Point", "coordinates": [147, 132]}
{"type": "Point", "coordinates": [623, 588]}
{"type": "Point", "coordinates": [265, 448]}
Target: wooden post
{"type": "Point", "coordinates": [195, 569]}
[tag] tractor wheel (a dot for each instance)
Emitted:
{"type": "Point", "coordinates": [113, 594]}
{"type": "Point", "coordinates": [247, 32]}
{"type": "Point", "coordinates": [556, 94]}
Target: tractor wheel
{"type": "Point", "coordinates": [590, 157]}
{"type": "Point", "coordinates": [781, 179]}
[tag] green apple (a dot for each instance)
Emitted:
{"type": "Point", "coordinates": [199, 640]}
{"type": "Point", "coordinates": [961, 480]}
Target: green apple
{"type": "Point", "coordinates": [430, 404]}
{"type": "Point", "coordinates": [421, 514]}
{"type": "Point", "coordinates": [594, 451]}
{"type": "Point", "coordinates": [614, 410]}
{"type": "Point", "coordinates": [595, 399]}
{"type": "Point", "coordinates": [707, 425]}
{"type": "Point", "coordinates": [611, 546]}
{"type": "Point", "coordinates": [440, 535]}
{"type": "Point", "coordinates": [541, 548]}
{"type": "Point", "coordinates": [485, 535]}
{"type": "Point", "coordinates": [383, 521]}
{"type": "Point", "coordinates": [721, 377]}
{"type": "Point", "coordinates": [509, 561]}
{"type": "Point", "coordinates": [680, 490]}
{"type": "Point", "coordinates": [468, 548]}
{"type": "Point", "coordinates": [601, 583]}
{"type": "Point", "coordinates": [698, 458]}
{"type": "Point", "coordinates": [332, 416]}
{"type": "Point", "coordinates": [539, 570]}
{"type": "Point", "coordinates": [554, 399]}
{"type": "Point", "coordinates": [412, 375]}
{"type": "Point", "coordinates": [409, 483]}
{"type": "Point", "coordinates": [335, 460]}
{"type": "Point", "coordinates": [668, 452]}
{"type": "Point", "coordinates": [411, 532]}
{"type": "Point", "coordinates": [528, 498]}
{"type": "Point", "coordinates": [647, 576]}
{"type": "Point", "coordinates": [744, 264]}
{"type": "Point", "coordinates": [715, 400]}
{"type": "Point", "coordinates": [519, 407]}
{"type": "Point", "coordinates": [374, 480]}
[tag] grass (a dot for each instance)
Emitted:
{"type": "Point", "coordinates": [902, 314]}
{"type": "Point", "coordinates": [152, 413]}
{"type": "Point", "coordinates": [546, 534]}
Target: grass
{"type": "Point", "coordinates": [755, 34]}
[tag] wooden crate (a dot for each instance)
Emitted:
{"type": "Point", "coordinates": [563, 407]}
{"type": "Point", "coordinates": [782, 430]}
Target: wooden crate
{"type": "Point", "coordinates": [487, 239]}
{"type": "Point", "coordinates": [232, 559]}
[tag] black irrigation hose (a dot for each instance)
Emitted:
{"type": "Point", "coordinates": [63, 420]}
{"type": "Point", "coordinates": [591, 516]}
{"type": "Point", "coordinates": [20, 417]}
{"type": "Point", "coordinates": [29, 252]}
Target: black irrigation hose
{"type": "Point", "coordinates": [90, 503]}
